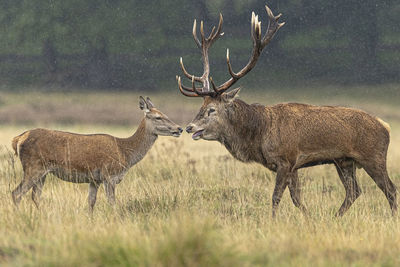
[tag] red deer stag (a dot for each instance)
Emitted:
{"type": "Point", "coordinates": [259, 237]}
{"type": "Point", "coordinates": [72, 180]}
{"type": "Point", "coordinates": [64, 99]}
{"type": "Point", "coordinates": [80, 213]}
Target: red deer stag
{"type": "Point", "coordinates": [93, 159]}
{"type": "Point", "coordinates": [287, 137]}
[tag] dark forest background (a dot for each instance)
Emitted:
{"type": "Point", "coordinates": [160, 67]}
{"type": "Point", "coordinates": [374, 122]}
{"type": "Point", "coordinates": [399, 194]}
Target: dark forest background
{"type": "Point", "coordinates": [134, 45]}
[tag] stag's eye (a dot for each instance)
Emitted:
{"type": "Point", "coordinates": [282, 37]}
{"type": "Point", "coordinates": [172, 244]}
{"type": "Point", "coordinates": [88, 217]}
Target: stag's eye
{"type": "Point", "coordinates": [211, 110]}
{"type": "Point", "coordinates": [158, 118]}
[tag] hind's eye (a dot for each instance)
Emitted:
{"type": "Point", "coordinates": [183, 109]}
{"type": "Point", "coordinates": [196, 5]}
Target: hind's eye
{"type": "Point", "coordinates": [211, 110]}
{"type": "Point", "coordinates": [158, 118]}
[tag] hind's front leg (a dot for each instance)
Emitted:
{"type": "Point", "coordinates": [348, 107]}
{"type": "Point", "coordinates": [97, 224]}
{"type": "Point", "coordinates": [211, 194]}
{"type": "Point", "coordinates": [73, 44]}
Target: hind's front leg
{"type": "Point", "coordinates": [109, 187]}
{"type": "Point", "coordinates": [93, 187]}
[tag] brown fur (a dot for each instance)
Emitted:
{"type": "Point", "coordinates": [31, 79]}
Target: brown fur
{"type": "Point", "coordinates": [287, 137]}
{"type": "Point", "coordinates": [79, 158]}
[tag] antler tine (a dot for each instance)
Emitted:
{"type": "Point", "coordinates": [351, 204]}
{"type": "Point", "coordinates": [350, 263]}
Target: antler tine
{"type": "Point", "coordinates": [203, 38]}
{"type": "Point", "coordinates": [253, 17]}
{"type": "Point", "coordinates": [194, 91]}
{"type": "Point", "coordinates": [211, 33]}
{"type": "Point", "coordinates": [213, 37]}
{"type": "Point", "coordinates": [256, 31]}
{"type": "Point", "coordinates": [184, 90]}
{"type": "Point", "coordinates": [196, 40]}
{"type": "Point", "coordinates": [231, 72]}
{"type": "Point", "coordinates": [187, 74]}
{"type": "Point", "coordinates": [213, 85]}
{"type": "Point", "coordinates": [199, 90]}
{"type": "Point", "coordinates": [188, 89]}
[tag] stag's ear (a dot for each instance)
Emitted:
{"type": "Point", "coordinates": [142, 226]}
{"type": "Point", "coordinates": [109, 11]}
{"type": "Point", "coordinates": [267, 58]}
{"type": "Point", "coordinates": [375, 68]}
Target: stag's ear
{"type": "Point", "coordinates": [149, 103]}
{"type": "Point", "coordinates": [231, 95]}
{"type": "Point", "coordinates": [143, 105]}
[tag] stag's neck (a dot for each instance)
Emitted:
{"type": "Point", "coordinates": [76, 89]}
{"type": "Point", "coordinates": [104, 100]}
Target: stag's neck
{"type": "Point", "coordinates": [136, 146]}
{"type": "Point", "coordinates": [245, 131]}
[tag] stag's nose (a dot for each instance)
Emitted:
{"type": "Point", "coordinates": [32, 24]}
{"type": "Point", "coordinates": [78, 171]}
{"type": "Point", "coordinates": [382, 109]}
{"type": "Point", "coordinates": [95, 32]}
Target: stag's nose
{"type": "Point", "coordinates": [189, 129]}
{"type": "Point", "coordinates": [180, 130]}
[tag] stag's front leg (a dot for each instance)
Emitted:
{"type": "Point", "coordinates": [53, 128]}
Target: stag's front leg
{"type": "Point", "coordinates": [280, 185]}
{"type": "Point", "coordinates": [295, 191]}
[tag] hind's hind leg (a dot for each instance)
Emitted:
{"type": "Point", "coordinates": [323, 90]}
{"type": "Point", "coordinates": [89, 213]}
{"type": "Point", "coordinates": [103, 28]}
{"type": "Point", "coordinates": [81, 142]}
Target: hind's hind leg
{"type": "Point", "coordinates": [31, 177]}
{"type": "Point", "coordinates": [347, 173]}
{"type": "Point", "coordinates": [37, 190]}
{"type": "Point", "coordinates": [378, 173]}
{"type": "Point", "coordinates": [21, 190]}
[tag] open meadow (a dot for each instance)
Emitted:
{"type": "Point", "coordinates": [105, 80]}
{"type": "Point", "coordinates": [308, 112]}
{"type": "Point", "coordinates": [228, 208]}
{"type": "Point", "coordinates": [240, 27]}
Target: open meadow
{"type": "Point", "coordinates": [190, 203]}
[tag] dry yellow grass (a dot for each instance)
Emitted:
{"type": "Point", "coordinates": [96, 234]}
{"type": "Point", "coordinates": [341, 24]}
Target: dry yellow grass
{"type": "Point", "coordinates": [190, 204]}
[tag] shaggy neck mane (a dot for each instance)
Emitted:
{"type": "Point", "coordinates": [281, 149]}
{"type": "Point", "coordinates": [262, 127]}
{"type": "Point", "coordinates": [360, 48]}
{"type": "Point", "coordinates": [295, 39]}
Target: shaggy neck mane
{"type": "Point", "coordinates": [246, 125]}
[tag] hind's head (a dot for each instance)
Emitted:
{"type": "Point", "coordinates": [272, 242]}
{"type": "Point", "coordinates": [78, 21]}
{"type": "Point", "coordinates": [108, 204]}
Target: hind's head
{"type": "Point", "coordinates": [156, 121]}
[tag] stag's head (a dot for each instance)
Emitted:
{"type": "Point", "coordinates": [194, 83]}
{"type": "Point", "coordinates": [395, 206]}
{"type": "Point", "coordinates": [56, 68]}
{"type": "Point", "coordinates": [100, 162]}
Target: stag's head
{"type": "Point", "coordinates": [210, 122]}
{"type": "Point", "coordinates": [156, 121]}
{"type": "Point", "coordinates": [214, 113]}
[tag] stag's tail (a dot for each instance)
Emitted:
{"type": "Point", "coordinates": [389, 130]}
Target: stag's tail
{"type": "Point", "coordinates": [384, 124]}
{"type": "Point", "coordinates": [16, 142]}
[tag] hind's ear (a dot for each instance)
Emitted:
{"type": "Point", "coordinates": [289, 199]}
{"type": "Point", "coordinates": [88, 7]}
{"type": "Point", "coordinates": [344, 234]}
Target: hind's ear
{"type": "Point", "coordinates": [231, 95]}
{"type": "Point", "coordinates": [143, 105]}
{"type": "Point", "coordinates": [149, 103]}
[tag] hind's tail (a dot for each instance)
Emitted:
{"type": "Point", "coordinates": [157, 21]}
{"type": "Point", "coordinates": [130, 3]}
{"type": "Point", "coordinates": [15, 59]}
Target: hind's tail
{"type": "Point", "coordinates": [15, 142]}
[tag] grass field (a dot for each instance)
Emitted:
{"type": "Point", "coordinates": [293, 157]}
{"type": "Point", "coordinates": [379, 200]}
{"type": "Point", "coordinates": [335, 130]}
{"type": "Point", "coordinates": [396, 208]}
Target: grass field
{"type": "Point", "coordinates": [190, 203]}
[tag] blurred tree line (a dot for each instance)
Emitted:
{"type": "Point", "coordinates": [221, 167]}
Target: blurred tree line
{"type": "Point", "coordinates": [137, 44]}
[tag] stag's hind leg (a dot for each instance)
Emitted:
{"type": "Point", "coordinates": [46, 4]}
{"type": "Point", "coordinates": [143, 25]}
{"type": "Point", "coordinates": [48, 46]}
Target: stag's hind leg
{"type": "Point", "coordinates": [31, 177]}
{"type": "Point", "coordinates": [347, 173]}
{"type": "Point", "coordinates": [378, 172]}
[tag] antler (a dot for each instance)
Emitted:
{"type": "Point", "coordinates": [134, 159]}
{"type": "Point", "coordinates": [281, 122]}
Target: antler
{"type": "Point", "coordinates": [204, 45]}
{"type": "Point", "coordinates": [258, 45]}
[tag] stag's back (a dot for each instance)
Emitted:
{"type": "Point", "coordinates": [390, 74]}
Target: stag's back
{"type": "Point", "coordinates": [327, 131]}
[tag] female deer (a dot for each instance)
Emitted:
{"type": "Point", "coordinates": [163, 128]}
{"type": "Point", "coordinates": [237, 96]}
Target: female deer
{"type": "Point", "coordinates": [93, 159]}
